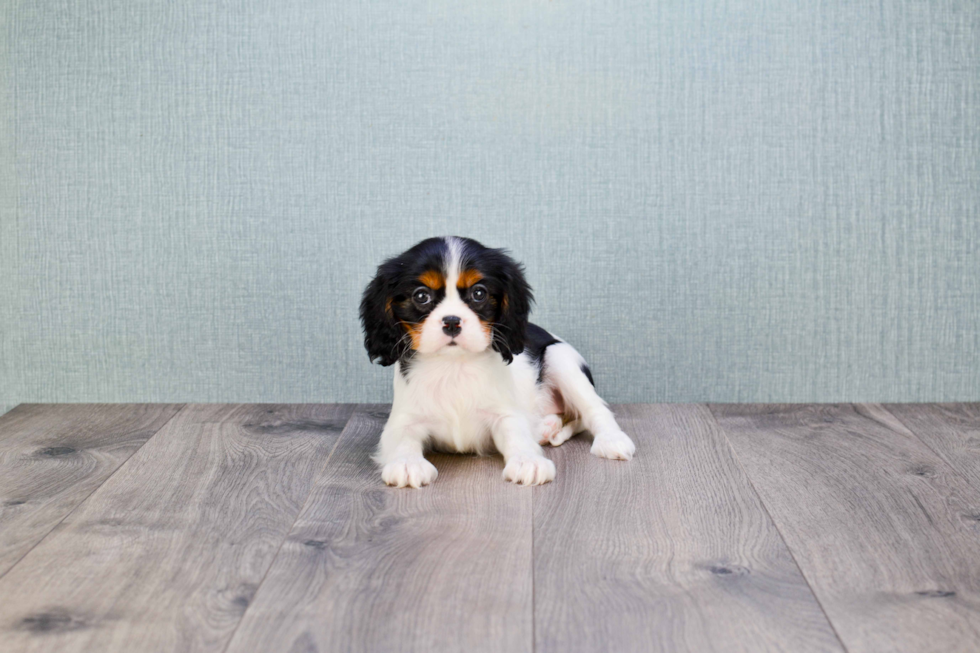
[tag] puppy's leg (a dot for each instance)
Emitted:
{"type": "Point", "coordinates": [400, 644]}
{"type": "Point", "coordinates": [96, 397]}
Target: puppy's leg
{"type": "Point", "coordinates": [524, 461]}
{"type": "Point", "coordinates": [400, 454]}
{"type": "Point", "coordinates": [553, 432]}
{"type": "Point", "coordinates": [564, 370]}
{"type": "Point", "coordinates": [549, 428]}
{"type": "Point", "coordinates": [567, 431]}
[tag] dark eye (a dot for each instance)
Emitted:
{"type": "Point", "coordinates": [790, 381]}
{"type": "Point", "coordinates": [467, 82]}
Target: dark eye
{"type": "Point", "coordinates": [421, 296]}
{"type": "Point", "coordinates": [478, 294]}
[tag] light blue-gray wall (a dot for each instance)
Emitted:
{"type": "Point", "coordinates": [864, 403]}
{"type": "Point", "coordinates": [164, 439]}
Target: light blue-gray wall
{"type": "Point", "coordinates": [728, 201]}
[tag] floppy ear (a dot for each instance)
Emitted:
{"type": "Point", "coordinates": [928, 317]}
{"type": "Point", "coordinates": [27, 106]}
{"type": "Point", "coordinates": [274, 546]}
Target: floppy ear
{"type": "Point", "coordinates": [510, 328]}
{"type": "Point", "coordinates": [383, 338]}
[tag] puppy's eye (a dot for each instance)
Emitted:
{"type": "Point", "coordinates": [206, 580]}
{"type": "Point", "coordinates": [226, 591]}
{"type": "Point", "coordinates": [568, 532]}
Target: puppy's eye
{"type": "Point", "coordinates": [478, 294]}
{"type": "Point", "coordinates": [421, 297]}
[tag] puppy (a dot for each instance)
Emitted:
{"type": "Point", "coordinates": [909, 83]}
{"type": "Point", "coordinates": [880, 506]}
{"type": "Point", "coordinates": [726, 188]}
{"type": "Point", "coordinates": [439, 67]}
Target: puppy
{"type": "Point", "coordinates": [471, 373]}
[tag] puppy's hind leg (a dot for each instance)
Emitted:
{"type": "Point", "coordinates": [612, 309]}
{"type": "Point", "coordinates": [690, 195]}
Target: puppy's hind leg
{"type": "Point", "coordinates": [567, 431]}
{"type": "Point", "coordinates": [564, 369]}
{"type": "Point", "coordinates": [554, 432]}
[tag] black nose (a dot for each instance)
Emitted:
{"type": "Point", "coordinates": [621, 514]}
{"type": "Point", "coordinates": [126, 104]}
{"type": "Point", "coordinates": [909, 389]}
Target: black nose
{"type": "Point", "coordinates": [450, 325]}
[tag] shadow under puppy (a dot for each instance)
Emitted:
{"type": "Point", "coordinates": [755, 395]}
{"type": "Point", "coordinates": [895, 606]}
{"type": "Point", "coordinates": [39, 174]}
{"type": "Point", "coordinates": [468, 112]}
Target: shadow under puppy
{"type": "Point", "coordinates": [471, 373]}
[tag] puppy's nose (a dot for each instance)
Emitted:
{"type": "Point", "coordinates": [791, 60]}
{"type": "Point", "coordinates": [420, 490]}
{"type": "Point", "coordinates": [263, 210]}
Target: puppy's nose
{"type": "Point", "coordinates": [450, 325]}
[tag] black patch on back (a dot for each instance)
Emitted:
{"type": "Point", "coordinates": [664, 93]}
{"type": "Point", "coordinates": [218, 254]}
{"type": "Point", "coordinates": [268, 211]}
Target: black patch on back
{"type": "Point", "coordinates": [536, 340]}
{"type": "Point", "coordinates": [588, 374]}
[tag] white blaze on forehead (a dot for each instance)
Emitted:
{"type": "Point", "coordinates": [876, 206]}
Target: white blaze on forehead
{"type": "Point", "coordinates": [454, 264]}
{"type": "Point", "coordinates": [472, 337]}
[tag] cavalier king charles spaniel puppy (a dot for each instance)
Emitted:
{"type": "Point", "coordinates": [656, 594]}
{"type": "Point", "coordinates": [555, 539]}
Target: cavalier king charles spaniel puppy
{"type": "Point", "coordinates": [471, 373]}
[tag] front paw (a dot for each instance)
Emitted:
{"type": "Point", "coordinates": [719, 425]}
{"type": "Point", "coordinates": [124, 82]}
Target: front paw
{"type": "Point", "coordinates": [613, 444]}
{"type": "Point", "coordinates": [529, 470]}
{"type": "Point", "coordinates": [409, 472]}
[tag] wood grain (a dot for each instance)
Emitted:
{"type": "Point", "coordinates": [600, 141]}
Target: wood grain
{"type": "Point", "coordinates": [672, 551]}
{"type": "Point", "coordinates": [373, 568]}
{"type": "Point", "coordinates": [264, 528]}
{"type": "Point", "coordinates": [53, 456]}
{"type": "Point", "coordinates": [884, 530]}
{"type": "Point", "coordinates": [951, 430]}
{"type": "Point", "coordinates": [168, 553]}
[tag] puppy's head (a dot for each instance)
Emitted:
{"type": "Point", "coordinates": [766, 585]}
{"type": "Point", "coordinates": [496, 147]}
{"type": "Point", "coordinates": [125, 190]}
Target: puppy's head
{"type": "Point", "coordinates": [448, 296]}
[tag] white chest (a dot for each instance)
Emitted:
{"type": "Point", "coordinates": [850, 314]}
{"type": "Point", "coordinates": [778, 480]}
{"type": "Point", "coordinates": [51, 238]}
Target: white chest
{"type": "Point", "coordinates": [458, 398]}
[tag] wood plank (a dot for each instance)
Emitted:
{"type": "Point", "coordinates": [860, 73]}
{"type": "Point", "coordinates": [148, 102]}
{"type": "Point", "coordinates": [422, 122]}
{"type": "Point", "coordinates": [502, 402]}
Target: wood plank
{"type": "Point", "coordinates": [168, 553]}
{"type": "Point", "coordinates": [373, 568]}
{"type": "Point", "coordinates": [951, 430]}
{"type": "Point", "coordinates": [52, 456]}
{"type": "Point", "coordinates": [672, 551]}
{"type": "Point", "coordinates": [884, 530]}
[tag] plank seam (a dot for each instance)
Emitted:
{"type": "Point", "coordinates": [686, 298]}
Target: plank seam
{"type": "Point", "coordinates": [775, 524]}
{"type": "Point", "coordinates": [302, 509]}
{"type": "Point", "coordinates": [4, 416]}
{"type": "Point", "coordinates": [96, 488]}
{"type": "Point", "coordinates": [939, 454]}
{"type": "Point", "coordinates": [534, 587]}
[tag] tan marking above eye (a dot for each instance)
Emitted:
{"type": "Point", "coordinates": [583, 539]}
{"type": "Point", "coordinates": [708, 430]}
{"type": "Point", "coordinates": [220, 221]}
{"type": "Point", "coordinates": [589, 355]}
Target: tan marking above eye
{"type": "Point", "coordinates": [468, 277]}
{"type": "Point", "coordinates": [432, 279]}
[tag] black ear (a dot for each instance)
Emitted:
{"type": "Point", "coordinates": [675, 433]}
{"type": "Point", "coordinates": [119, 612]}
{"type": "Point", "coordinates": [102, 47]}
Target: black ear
{"type": "Point", "coordinates": [383, 339]}
{"type": "Point", "coordinates": [510, 329]}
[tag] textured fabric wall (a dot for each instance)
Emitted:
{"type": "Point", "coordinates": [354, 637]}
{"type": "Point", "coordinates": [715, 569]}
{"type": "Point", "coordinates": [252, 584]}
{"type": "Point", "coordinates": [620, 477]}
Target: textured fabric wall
{"type": "Point", "coordinates": [748, 201]}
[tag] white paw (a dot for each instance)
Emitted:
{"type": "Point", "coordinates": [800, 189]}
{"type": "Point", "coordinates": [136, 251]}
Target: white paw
{"type": "Point", "coordinates": [529, 470]}
{"type": "Point", "coordinates": [563, 435]}
{"type": "Point", "coordinates": [551, 431]}
{"type": "Point", "coordinates": [549, 428]}
{"type": "Point", "coordinates": [404, 472]}
{"type": "Point", "coordinates": [613, 444]}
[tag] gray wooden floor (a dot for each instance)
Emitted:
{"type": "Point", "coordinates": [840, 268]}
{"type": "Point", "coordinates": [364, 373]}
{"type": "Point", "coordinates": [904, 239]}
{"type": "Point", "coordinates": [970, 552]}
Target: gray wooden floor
{"type": "Point", "coordinates": [267, 528]}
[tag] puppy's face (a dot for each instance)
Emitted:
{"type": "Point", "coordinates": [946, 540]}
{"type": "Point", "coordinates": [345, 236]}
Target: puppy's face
{"type": "Point", "coordinates": [447, 307]}
{"type": "Point", "coordinates": [446, 296]}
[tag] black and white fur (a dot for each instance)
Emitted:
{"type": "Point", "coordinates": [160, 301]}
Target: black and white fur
{"type": "Point", "coordinates": [471, 373]}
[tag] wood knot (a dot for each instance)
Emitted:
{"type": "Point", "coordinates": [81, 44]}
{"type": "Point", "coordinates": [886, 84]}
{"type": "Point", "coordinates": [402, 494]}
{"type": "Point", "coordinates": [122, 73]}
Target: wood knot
{"type": "Point", "coordinates": [55, 452]}
{"type": "Point", "coordinates": [925, 471]}
{"type": "Point", "coordinates": [721, 569]}
{"type": "Point", "coordinates": [244, 595]}
{"type": "Point", "coordinates": [315, 544]}
{"type": "Point", "coordinates": [936, 594]}
{"type": "Point", "coordinates": [292, 428]}
{"type": "Point", "coordinates": [52, 622]}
